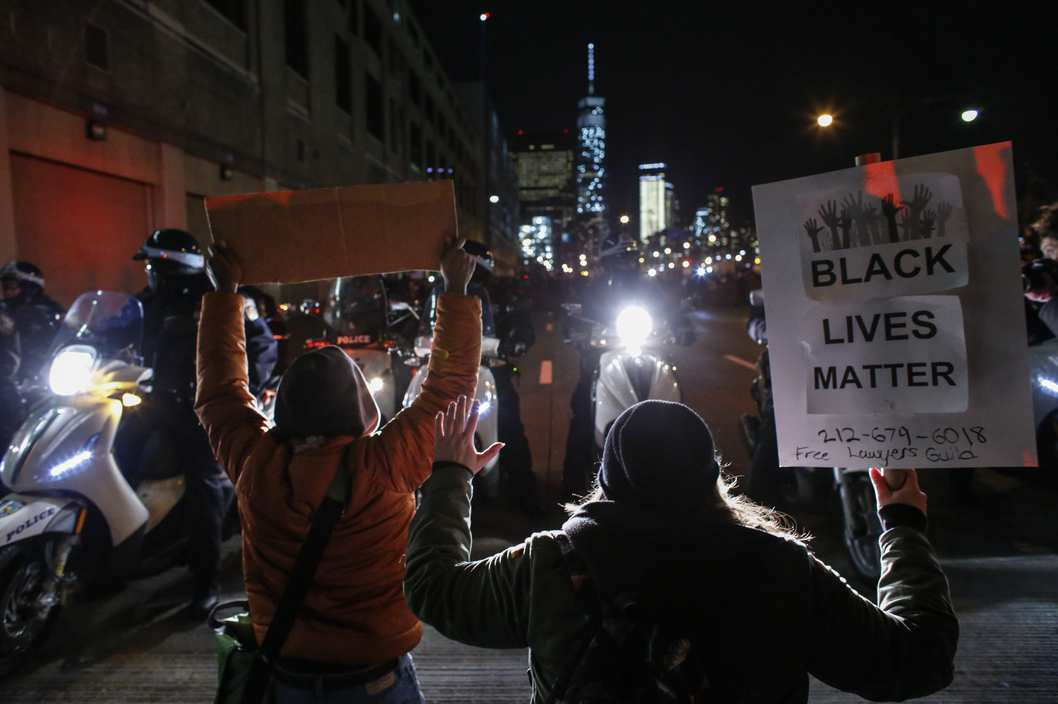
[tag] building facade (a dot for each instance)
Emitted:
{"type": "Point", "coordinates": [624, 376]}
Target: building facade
{"type": "Point", "coordinates": [591, 164]}
{"type": "Point", "coordinates": [498, 192]}
{"type": "Point", "coordinates": [544, 162]}
{"type": "Point", "coordinates": [657, 201]}
{"type": "Point", "coordinates": [119, 117]}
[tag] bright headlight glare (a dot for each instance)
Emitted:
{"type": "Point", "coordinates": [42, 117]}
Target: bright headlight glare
{"type": "Point", "coordinates": [71, 370]}
{"type": "Point", "coordinates": [634, 326]}
{"type": "Point", "coordinates": [1048, 385]}
{"type": "Point", "coordinates": [484, 407]}
{"type": "Point", "coordinates": [375, 384]}
{"type": "Point", "coordinates": [70, 464]}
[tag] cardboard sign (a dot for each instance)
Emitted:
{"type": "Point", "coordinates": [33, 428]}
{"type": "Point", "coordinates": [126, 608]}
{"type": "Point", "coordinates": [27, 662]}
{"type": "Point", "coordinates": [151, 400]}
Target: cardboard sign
{"type": "Point", "coordinates": [294, 236]}
{"type": "Point", "coordinates": [896, 325]}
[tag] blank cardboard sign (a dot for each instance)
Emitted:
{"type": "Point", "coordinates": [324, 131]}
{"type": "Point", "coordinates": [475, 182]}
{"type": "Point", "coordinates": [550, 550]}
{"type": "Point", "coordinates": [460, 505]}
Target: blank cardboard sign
{"type": "Point", "coordinates": [323, 233]}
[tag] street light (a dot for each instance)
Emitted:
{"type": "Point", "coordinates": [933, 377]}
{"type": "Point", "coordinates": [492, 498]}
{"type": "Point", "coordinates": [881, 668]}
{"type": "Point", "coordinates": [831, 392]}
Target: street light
{"type": "Point", "coordinates": [494, 199]}
{"type": "Point", "coordinates": [825, 120]}
{"type": "Point", "coordinates": [625, 219]}
{"type": "Point", "coordinates": [484, 17]}
{"type": "Point", "coordinates": [970, 114]}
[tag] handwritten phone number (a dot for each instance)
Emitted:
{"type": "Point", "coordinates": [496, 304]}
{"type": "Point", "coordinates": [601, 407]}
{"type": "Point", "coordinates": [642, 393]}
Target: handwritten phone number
{"type": "Point", "coordinates": [950, 435]}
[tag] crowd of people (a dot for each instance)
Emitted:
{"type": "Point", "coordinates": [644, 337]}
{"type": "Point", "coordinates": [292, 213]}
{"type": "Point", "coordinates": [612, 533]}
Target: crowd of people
{"type": "Point", "coordinates": [654, 558]}
{"type": "Point", "coordinates": [663, 567]}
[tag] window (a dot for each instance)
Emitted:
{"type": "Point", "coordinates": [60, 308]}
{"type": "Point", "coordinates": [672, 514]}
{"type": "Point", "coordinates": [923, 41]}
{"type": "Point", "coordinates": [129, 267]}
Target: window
{"type": "Point", "coordinates": [232, 10]}
{"type": "Point", "coordinates": [376, 121]}
{"type": "Point", "coordinates": [297, 37]}
{"type": "Point", "coordinates": [343, 93]}
{"type": "Point", "coordinates": [96, 47]}
{"type": "Point", "coordinates": [372, 30]}
{"type": "Point", "coordinates": [414, 88]}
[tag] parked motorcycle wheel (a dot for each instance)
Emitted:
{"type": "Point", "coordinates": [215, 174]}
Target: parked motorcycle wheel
{"type": "Point", "coordinates": [860, 523]}
{"type": "Point", "coordinates": [22, 630]}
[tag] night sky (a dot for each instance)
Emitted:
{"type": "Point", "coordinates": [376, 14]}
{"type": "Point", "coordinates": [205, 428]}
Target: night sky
{"type": "Point", "coordinates": [727, 95]}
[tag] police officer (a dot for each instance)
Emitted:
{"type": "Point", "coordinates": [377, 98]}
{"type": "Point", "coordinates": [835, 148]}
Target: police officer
{"type": "Point", "coordinates": [12, 406]}
{"type": "Point", "coordinates": [176, 281]}
{"type": "Point", "coordinates": [36, 317]}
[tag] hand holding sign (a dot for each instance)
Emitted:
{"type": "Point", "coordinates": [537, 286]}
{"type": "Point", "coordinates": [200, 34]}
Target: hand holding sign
{"type": "Point", "coordinates": [457, 268]}
{"type": "Point", "coordinates": [907, 492]}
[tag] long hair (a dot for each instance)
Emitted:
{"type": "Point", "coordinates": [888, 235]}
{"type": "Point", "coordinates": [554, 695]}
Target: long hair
{"type": "Point", "coordinates": [729, 506]}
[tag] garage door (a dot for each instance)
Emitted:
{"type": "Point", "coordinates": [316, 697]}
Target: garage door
{"type": "Point", "coordinates": [80, 227]}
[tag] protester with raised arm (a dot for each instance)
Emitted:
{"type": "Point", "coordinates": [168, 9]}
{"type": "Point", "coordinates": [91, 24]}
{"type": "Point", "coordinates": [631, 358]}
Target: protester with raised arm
{"type": "Point", "coordinates": [663, 582]}
{"type": "Point", "coordinates": [353, 633]}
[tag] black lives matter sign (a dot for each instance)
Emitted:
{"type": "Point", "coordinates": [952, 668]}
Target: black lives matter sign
{"type": "Point", "coordinates": [880, 285]}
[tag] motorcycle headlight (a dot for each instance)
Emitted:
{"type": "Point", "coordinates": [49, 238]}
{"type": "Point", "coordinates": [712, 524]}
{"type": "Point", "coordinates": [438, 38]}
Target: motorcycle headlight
{"type": "Point", "coordinates": [634, 326]}
{"type": "Point", "coordinates": [1048, 385]}
{"type": "Point", "coordinates": [71, 370]}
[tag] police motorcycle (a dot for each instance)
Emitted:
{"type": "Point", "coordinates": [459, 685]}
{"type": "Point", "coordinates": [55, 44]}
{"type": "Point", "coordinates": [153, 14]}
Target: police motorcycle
{"type": "Point", "coordinates": [488, 481]}
{"type": "Point", "coordinates": [359, 317]}
{"type": "Point", "coordinates": [632, 365]}
{"type": "Point", "coordinates": [860, 525]}
{"type": "Point", "coordinates": [83, 506]}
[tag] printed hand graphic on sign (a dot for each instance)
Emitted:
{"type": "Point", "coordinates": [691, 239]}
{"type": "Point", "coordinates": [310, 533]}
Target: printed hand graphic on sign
{"type": "Point", "coordinates": [857, 211]}
{"type": "Point", "coordinates": [889, 210]}
{"type": "Point", "coordinates": [943, 213]}
{"type": "Point", "coordinates": [813, 229]}
{"type": "Point", "coordinates": [828, 213]}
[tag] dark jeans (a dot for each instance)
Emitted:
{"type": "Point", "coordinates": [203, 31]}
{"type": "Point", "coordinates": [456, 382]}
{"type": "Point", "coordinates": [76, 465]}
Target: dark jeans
{"type": "Point", "coordinates": [208, 492]}
{"type": "Point", "coordinates": [404, 689]}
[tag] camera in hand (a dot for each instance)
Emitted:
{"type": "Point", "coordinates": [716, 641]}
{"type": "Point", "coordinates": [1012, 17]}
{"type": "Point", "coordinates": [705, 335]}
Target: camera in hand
{"type": "Point", "coordinates": [1039, 276]}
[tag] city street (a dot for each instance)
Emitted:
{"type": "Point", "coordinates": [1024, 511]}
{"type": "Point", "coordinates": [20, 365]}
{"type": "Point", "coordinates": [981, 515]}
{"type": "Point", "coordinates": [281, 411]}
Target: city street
{"type": "Point", "coordinates": [1001, 557]}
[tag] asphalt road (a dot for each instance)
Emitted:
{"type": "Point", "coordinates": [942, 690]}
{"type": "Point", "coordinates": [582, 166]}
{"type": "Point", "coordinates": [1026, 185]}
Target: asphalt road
{"type": "Point", "coordinates": [1001, 557]}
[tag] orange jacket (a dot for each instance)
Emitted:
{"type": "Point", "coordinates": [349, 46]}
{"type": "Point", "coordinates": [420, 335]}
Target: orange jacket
{"type": "Point", "coordinates": [355, 611]}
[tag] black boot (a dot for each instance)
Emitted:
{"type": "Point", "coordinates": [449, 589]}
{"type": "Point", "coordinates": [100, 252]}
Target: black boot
{"type": "Point", "coordinates": [202, 602]}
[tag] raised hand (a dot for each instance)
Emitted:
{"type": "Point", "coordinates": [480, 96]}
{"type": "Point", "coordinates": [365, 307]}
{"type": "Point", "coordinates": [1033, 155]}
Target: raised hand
{"type": "Point", "coordinates": [813, 229]}
{"type": "Point", "coordinates": [845, 223]}
{"type": "Point", "coordinates": [920, 199]}
{"type": "Point", "coordinates": [457, 267]}
{"type": "Point", "coordinates": [889, 210]}
{"type": "Point", "coordinates": [454, 437]}
{"type": "Point", "coordinates": [925, 225]}
{"type": "Point", "coordinates": [907, 225]}
{"type": "Point", "coordinates": [223, 267]}
{"type": "Point", "coordinates": [871, 216]}
{"type": "Point", "coordinates": [944, 211]}
{"type": "Point", "coordinates": [828, 213]}
{"type": "Point", "coordinates": [855, 208]}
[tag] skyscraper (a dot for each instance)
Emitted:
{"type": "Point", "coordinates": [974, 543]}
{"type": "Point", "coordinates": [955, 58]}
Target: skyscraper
{"type": "Point", "coordinates": [591, 155]}
{"type": "Point", "coordinates": [657, 201]}
{"type": "Point", "coordinates": [544, 162]}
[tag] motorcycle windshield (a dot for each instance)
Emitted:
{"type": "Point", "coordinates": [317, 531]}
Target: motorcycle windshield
{"type": "Point", "coordinates": [110, 322]}
{"type": "Point", "coordinates": [488, 321]}
{"type": "Point", "coordinates": [357, 306]}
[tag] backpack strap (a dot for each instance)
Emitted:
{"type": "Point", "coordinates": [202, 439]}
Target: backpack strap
{"type": "Point", "coordinates": [308, 560]}
{"type": "Point", "coordinates": [587, 601]}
